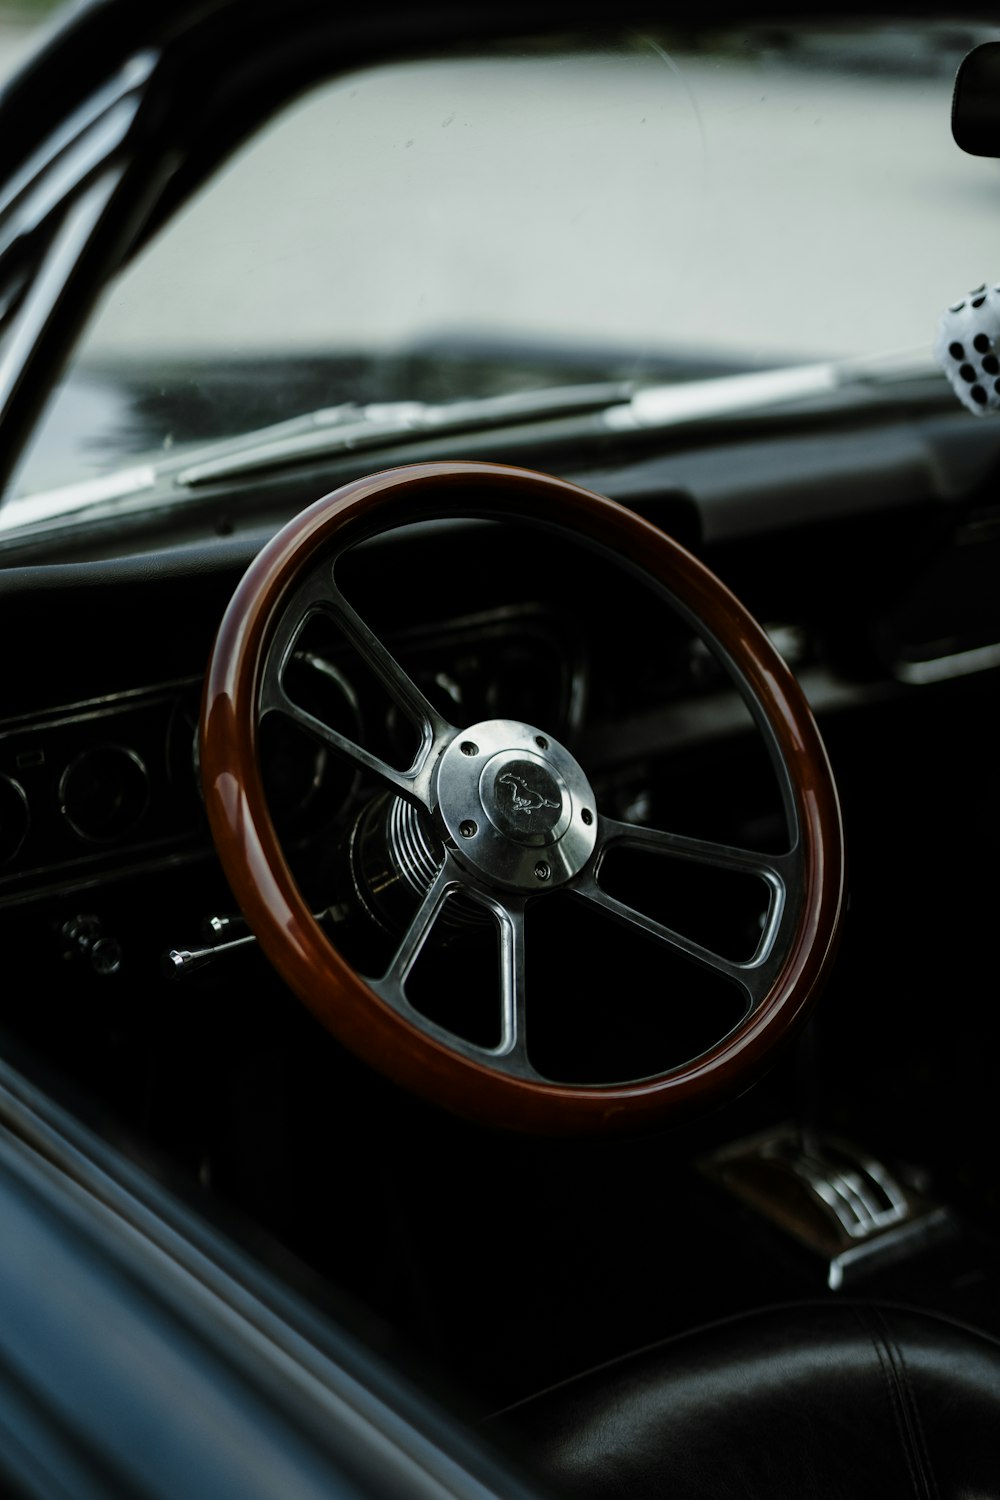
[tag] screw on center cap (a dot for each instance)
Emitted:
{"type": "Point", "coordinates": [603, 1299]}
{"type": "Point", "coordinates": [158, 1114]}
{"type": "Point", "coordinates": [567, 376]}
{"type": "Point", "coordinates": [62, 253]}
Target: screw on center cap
{"type": "Point", "coordinates": [523, 799]}
{"type": "Point", "coordinates": [508, 813]}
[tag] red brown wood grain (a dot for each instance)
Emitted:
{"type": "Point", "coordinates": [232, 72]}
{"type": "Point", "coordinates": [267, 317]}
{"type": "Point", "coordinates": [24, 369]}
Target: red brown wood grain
{"type": "Point", "coordinates": [273, 905]}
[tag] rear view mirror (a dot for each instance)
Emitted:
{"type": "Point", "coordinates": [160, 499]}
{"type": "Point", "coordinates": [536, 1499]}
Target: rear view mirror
{"type": "Point", "coordinates": [975, 109]}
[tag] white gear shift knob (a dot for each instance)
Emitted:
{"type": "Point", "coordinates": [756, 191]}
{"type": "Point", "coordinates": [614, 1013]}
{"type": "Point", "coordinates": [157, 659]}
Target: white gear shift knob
{"type": "Point", "coordinates": [967, 348]}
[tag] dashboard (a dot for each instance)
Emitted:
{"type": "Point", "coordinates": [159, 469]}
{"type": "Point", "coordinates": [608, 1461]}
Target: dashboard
{"type": "Point", "coordinates": [109, 784]}
{"type": "Point", "coordinates": [108, 868]}
{"type": "Point", "coordinates": [98, 741]}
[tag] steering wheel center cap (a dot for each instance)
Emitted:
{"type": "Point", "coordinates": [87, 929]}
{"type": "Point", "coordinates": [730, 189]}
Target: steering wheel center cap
{"type": "Point", "coordinates": [525, 798]}
{"type": "Point", "coordinates": [515, 806]}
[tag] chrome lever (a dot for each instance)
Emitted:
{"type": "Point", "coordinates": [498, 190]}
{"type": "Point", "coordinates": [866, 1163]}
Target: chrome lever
{"type": "Point", "coordinates": [181, 962]}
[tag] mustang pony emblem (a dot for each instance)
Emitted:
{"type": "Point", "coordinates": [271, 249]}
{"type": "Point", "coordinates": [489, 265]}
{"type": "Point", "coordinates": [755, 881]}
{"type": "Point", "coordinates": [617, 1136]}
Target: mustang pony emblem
{"type": "Point", "coordinates": [523, 798]}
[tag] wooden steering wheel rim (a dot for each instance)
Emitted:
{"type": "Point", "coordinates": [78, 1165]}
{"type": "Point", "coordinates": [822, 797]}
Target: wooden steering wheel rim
{"type": "Point", "coordinates": [295, 943]}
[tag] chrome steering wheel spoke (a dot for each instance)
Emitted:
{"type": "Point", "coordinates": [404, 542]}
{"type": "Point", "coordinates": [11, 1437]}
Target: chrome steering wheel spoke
{"type": "Point", "coordinates": [319, 595]}
{"type": "Point", "coordinates": [754, 978]}
{"type": "Point", "coordinates": [510, 1054]}
{"type": "Point", "coordinates": [777, 872]}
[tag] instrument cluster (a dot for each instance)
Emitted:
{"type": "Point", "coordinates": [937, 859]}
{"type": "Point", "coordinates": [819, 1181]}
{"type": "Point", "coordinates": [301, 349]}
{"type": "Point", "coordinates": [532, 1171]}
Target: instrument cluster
{"type": "Point", "coordinates": [110, 784]}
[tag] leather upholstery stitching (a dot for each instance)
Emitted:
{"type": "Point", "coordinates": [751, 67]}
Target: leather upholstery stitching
{"type": "Point", "coordinates": [890, 1379]}
{"type": "Point", "coordinates": [911, 1408]}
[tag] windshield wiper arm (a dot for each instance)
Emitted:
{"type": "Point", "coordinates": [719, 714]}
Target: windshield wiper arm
{"type": "Point", "coordinates": [319, 434]}
{"type": "Point", "coordinates": [608, 407]}
{"type": "Point", "coordinates": [350, 428]}
{"type": "Point", "coordinates": [623, 405]}
{"type": "Point", "coordinates": [665, 406]}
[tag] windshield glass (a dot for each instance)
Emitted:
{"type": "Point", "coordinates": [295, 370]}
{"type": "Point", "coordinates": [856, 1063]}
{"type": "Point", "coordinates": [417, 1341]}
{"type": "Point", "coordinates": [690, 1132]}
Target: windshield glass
{"type": "Point", "coordinates": [658, 208]}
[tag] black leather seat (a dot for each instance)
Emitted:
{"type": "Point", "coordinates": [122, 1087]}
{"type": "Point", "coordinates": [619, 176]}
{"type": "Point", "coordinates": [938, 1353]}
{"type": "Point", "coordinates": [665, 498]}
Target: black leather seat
{"type": "Point", "coordinates": [809, 1400]}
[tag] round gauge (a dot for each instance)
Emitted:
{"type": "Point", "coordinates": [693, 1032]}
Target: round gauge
{"type": "Point", "coordinates": [14, 818]}
{"type": "Point", "coordinates": [104, 793]}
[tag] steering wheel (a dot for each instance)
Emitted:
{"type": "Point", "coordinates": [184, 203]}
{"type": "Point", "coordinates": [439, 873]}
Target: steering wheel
{"type": "Point", "coordinates": [513, 813]}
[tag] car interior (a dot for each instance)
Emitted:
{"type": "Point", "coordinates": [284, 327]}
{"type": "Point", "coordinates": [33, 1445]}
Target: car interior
{"type": "Point", "coordinates": [508, 851]}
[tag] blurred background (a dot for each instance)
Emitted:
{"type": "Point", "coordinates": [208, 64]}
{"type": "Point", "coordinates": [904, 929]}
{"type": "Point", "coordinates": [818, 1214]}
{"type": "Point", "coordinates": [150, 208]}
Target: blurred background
{"type": "Point", "coordinates": [736, 197]}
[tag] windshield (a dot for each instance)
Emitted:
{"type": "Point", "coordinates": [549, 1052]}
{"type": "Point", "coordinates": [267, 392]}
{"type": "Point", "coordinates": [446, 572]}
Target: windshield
{"type": "Point", "coordinates": [657, 208]}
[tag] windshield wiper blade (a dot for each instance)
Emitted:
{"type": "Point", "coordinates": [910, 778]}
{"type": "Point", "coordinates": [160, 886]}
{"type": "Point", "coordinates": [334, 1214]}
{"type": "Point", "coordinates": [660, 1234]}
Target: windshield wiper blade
{"type": "Point", "coordinates": [318, 434]}
{"type": "Point", "coordinates": [350, 428]}
{"type": "Point", "coordinates": [560, 413]}
{"type": "Point", "coordinates": [623, 406]}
